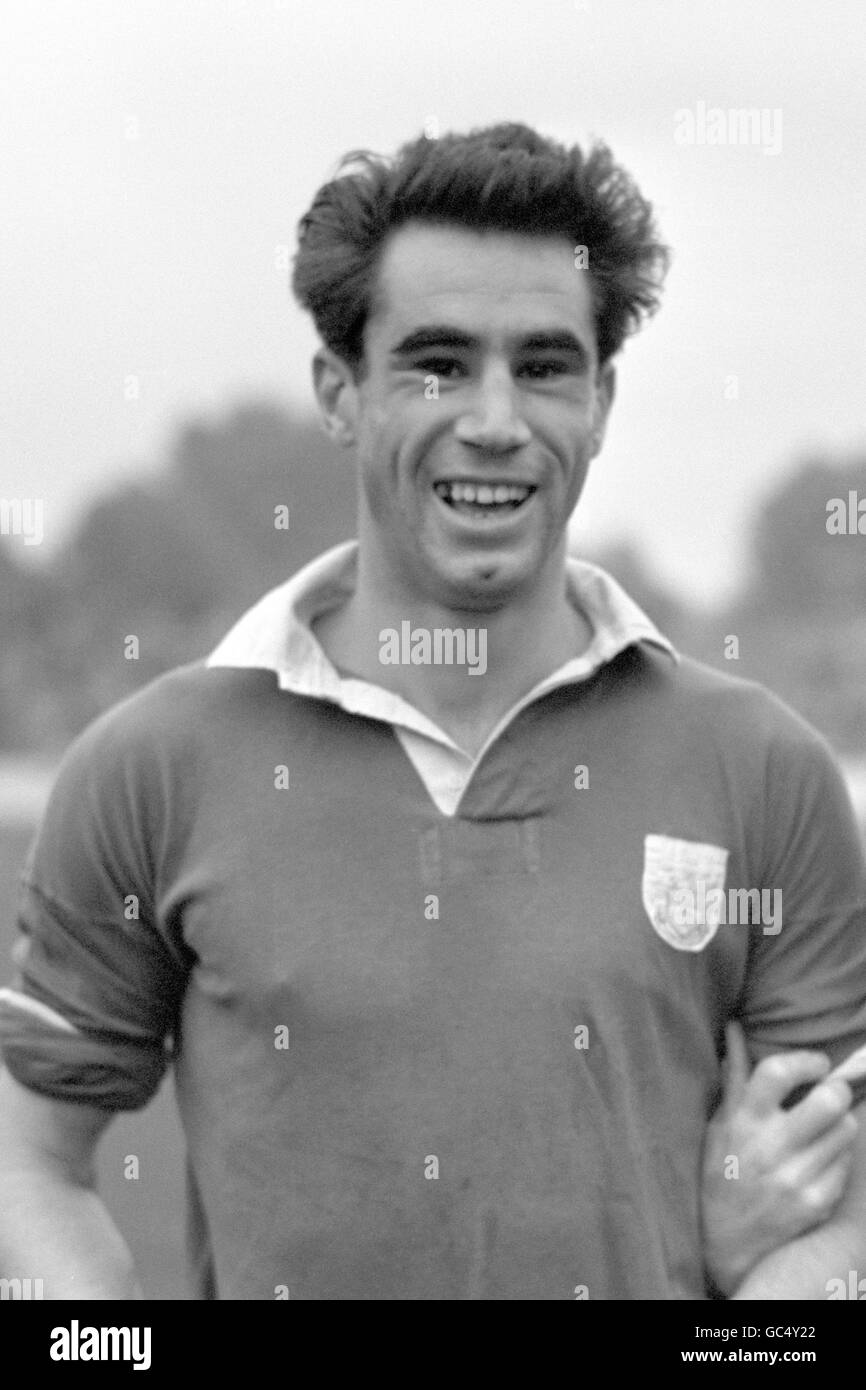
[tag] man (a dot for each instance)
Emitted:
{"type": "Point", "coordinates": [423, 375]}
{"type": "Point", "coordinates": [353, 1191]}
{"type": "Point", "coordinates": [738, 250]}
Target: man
{"type": "Point", "coordinates": [397, 870]}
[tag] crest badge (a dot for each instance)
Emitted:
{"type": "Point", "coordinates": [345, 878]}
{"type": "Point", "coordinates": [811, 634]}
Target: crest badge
{"type": "Point", "coordinates": [683, 890]}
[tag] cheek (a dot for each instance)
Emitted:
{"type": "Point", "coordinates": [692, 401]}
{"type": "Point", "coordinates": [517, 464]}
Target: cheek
{"type": "Point", "coordinates": [381, 480]}
{"type": "Point", "coordinates": [568, 450]}
{"type": "Point", "coordinates": [394, 444]}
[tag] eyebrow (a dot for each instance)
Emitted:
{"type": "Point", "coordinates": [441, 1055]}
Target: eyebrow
{"type": "Point", "coordinates": [434, 335]}
{"type": "Point", "coordinates": [447, 336]}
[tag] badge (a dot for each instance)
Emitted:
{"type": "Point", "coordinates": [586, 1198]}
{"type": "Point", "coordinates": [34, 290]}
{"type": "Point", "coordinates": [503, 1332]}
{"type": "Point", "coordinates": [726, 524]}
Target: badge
{"type": "Point", "coordinates": [683, 890]}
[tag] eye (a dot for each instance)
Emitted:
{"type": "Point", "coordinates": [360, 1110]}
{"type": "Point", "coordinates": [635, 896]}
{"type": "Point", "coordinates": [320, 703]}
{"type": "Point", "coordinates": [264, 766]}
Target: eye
{"type": "Point", "coordinates": [541, 368]}
{"type": "Point", "coordinates": [440, 366]}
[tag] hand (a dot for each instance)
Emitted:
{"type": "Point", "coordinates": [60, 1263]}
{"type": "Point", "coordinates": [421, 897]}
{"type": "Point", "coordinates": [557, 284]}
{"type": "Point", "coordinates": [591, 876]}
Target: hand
{"type": "Point", "coordinates": [770, 1174]}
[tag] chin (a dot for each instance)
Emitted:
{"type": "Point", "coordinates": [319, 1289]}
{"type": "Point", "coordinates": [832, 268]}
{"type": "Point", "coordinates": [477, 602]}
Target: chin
{"type": "Point", "coordinates": [484, 585]}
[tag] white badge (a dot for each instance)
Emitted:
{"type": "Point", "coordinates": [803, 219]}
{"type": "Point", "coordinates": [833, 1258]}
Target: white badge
{"type": "Point", "coordinates": [683, 890]}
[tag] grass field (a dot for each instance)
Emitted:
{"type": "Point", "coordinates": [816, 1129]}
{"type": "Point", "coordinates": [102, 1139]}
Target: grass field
{"type": "Point", "coordinates": [150, 1210]}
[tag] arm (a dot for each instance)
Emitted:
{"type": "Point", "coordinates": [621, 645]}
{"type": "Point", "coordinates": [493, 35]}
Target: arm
{"type": "Point", "coordinates": [54, 1227]}
{"type": "Point", "coordinates": [803, 1268]}
{"type": "Point", "coordinates": [769, 1173]}
{"type": "Point", "coordinates": [803, 988]}
{"type": "Point", "coordinates": [95, 995]}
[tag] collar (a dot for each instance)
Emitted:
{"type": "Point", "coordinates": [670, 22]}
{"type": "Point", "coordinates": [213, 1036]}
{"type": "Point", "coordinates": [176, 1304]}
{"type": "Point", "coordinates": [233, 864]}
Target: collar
{"type": "Point", "coordinates": [275, 635]}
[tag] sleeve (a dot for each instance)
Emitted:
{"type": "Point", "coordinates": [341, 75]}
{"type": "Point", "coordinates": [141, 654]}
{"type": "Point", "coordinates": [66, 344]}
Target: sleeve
{"type": "Point", "coordinates": [806, 979]}
{"type": "Point", "coordinates": [90, 1013]}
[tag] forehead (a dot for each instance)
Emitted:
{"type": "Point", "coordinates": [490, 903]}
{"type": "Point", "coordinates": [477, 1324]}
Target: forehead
{"type": "Point", "coordinates": [483, 281]}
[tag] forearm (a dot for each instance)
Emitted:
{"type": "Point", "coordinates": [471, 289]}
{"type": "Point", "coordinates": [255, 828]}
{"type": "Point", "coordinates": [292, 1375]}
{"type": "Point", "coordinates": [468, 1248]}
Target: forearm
{"type": "Point", "coordinates": [802, 1270]}
{"type": "Point", "coordinates": [58, 1231]}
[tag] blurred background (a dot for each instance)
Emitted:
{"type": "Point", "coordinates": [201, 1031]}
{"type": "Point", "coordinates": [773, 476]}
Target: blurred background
{"type": "Point", "coordinates": [156, 398]}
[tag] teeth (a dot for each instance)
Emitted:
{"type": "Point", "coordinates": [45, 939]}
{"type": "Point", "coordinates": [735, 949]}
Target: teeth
{"type": "Point", "coordinates": [482, 494]}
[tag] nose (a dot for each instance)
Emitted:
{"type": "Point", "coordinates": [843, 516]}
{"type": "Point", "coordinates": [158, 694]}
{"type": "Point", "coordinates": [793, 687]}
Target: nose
{"type": "Point", "coordinates": [492, 420]}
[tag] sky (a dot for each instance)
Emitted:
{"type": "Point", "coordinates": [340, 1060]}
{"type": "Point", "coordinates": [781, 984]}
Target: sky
{"type": "Point", "coordinates": [155, 158]}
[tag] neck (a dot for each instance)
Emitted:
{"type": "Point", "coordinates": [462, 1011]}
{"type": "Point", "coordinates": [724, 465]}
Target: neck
{"type": "Point", "coordinates": [463, 668]}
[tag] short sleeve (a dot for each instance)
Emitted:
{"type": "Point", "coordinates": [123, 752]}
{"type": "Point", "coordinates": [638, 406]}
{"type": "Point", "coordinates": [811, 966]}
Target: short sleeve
{"type": "Point", "coordinates": [90, 1013]}
{"type": "Point", "coordinates": [806, 981]}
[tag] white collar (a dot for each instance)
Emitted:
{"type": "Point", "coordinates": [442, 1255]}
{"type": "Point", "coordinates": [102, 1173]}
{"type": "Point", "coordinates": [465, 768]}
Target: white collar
{"type": "Point", "coordinates": [275, 635]}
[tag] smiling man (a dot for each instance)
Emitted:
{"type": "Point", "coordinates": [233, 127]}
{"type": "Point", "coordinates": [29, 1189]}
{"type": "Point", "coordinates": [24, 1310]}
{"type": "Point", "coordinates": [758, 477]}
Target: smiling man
{"type": "Point", "coordinates": [462, 510]}
{"type": "Point", "coordinates": [410, 926]}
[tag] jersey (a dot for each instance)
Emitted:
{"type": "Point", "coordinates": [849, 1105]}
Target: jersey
{"type": "Point", "coordinates": [427, 1056]}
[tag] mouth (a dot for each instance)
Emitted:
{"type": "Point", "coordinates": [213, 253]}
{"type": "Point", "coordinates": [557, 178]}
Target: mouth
{"type": "Point", "coordinates": [494, 499]}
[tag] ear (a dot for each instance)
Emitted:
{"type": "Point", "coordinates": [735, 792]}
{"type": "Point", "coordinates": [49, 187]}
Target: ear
{"type": "Point", "coordinates": [337, 395]}
{"type": "Point", "coordinates": [605, 390]}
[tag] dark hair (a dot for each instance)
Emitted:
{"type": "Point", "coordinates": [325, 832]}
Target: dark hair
{"type": "Point", "coordinates": [504, 178]}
